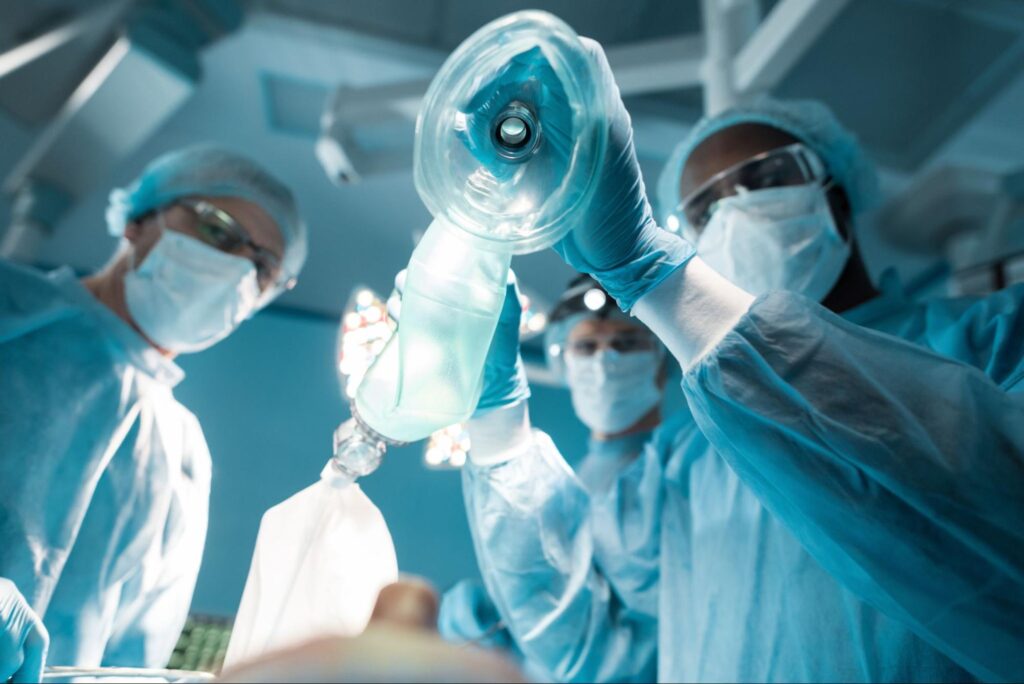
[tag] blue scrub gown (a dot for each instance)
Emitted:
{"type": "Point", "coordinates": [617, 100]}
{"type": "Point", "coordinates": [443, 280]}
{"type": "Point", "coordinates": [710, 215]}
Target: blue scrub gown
{"type": "Point", "coordinates": [841, 502]}
{"type": "Point", "coordinates": [104, 479]}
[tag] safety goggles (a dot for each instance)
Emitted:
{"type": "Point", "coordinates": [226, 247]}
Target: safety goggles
{"type": "Point", "coordinates": [220, 230]}
{"type": "Point", "coordinates": [624, 342]}
{"type": "Point", "coordinates": [794, 164]}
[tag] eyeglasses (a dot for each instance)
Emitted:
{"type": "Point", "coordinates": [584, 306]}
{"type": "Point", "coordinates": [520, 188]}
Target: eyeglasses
{"type": "Point", "coordinates": [794, 164]}
{"type": "Point", "coordinates": [623, 343]}
{"type": "Point", "coordinates": [220, 230]}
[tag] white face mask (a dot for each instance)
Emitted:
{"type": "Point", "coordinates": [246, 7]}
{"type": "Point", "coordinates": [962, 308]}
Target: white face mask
{"type": "Point", "coordinates": [186, 295]}
{"type": "Point", "coordinates": [612, 391]}
{"type": "Point", "coordinates": [776, 239]}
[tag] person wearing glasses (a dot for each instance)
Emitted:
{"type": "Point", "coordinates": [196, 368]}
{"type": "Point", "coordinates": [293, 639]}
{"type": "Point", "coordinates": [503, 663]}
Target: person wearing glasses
{"type": "Point", "coordinates": [615, 369]}
{"type": "Point", "coordinates": [105, 477]}
{"type": "Point", "coordinates": [841, 500]}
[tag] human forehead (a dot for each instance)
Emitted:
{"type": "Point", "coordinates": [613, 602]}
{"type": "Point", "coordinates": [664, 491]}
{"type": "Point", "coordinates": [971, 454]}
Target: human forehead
{"type": "Point", "coordinates": [727, 148]}
{"type": "Point", "coordinates": [603, 327]}
{"type": "Point", "coordinates": [254, 220]}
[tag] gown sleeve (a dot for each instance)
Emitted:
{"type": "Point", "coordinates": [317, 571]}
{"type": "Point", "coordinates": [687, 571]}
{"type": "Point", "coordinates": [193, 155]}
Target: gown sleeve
{"type": "Point", "coordinates": [534, 532]}
{"type": "Point", "coordinates": [899, 469]}
{"type": "Point", "coordinates": [156, 595]}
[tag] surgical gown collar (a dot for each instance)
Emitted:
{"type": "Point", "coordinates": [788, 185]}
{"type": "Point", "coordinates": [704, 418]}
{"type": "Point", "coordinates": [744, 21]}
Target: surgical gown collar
{"type": "Point", "coordinates": [131, 344]}
{"type": "Point", "coordinates": [891, 298]}
{"type": "Point", "coordinates": [631, 443]}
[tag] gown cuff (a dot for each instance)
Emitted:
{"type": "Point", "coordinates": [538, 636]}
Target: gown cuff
{"type": "Point", "coordinates": [500, 435]}
{"type": "Point", "coordinates": [692, 310]}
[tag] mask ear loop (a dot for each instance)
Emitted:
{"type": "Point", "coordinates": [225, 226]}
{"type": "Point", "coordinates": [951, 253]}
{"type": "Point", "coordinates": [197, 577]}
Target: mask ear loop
{"type": "Point", "coordinates": [828, 184]}
{"type": "Point", "coordinates": [133, 264]}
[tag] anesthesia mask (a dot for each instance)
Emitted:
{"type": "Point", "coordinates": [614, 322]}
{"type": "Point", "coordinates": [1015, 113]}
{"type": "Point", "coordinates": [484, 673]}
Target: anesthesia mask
{"type": "Point", "coordinates": [509, 143]}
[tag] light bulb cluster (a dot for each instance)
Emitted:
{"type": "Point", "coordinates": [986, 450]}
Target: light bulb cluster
{"type": "Point", "coordinates": [448, 447]}
{"type": "Point", "coordinates": [365, 329]}
{"type": "Point", "coordinates": [533, 321]}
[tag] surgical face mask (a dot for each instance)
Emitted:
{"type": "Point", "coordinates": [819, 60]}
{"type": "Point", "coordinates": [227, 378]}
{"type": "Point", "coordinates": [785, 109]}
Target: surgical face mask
{"type": "Point", "coordinates": [611, 391]}
{"type": "Point", "coordinates": [186, 296]}
{"type": "Point", "coordinates": [776, 239]}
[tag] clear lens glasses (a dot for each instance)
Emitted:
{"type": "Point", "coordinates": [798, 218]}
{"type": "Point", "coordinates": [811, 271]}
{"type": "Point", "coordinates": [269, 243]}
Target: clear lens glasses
{"type": "Point", "coordinates": [794, 164]}
{"type": "Point", "coordinates": [623, 343]}
{"type": "Point", "coordinates": [221, 231]}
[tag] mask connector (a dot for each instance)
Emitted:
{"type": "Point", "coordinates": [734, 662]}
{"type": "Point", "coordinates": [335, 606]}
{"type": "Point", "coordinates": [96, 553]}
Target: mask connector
{"type": "Point", "coordinates": [516, 132]}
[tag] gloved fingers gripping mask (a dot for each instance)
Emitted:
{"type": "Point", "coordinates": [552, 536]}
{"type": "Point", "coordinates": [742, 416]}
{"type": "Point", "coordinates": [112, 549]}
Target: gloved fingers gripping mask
{"type": "Point", "coordinates": [186, 295]}
{"type": "Point", "coordinates": [612, 390]}
{"type": "Point", "coordinates": [781, 238]}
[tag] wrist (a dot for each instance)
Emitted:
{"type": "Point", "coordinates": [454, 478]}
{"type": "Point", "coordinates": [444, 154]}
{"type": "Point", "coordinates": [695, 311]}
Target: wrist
{"type": "Point", "coordinates": [499, 435]}
{"type": "Point", "coordinates": [658, 254]}
{"type": "Point", "coordinates": [512, 388]}
{"type": "Point", "coordinates": [692, 310]}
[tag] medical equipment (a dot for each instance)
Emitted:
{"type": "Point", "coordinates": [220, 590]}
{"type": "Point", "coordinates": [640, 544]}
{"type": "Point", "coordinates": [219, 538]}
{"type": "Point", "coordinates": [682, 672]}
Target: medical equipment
{"type": "Point", "coordinates": [124, 674]}
{"type": "Point", "coordinates": [321, 557]}
{"type": "Point", "coordinates": [508, 144]}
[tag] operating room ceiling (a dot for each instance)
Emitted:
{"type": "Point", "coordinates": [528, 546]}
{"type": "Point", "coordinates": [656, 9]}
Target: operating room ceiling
{"type": "Point", "coordinates": [920, 81]}
{"type": "Point", "coordinates": [907, 75]}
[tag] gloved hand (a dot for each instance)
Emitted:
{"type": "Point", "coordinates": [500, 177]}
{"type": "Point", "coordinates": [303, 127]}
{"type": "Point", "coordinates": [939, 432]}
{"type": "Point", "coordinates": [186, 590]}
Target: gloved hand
{"type": "Point", "coordinates": [505, 381]}
{"type": "Point", "coordinates": [468, 614]}
{"type": "Point", "coordinates": [617, 240]}
{"type": "Point", "coordinates": [23, 638]}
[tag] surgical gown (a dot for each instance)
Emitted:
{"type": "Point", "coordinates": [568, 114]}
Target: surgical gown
{"type": "Point", "coordinates": [104, 479]}
{"type": "Point", "coordinates": [838, 504]}
{"type": "Point", "coordinates": [468, 612]}
{"type": "Point", "coordinates": [605, 459]}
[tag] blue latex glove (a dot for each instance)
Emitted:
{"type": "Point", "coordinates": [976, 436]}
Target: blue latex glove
{"type": "Point", "coordinates": [467, 613]}
{"type": "Point", "coordinates": [617, 240]}
{"type": "Point", "coordinates": [504, 376]}
{"type": "Point", "coordinates": [505, 381]}
{"type": "Point", "coordinates": [23, 638]}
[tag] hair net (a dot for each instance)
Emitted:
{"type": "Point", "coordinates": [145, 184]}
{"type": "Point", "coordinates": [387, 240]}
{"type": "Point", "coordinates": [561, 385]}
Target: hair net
{"type": "Point", "coordinates": [809, 121]}
{"type": "Point", "coordinates": [212, 172]}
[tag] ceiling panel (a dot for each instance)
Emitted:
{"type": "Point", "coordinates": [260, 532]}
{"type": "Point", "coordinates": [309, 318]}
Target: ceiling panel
{"type": "Point", "coordinates": [20, 21]}
{"type": "Point", "coordinates": [610, 22]}
{"type": "Point", "coordinates": [443, 24]}
{"type": "Point", "coordinates": [906, 75]}
{"type": "Point", "coordinates": [415, 22]}
{"type": "Point", "coordinates": [294, 105]}
{"type": "Point", "coordinates": [34, 93]}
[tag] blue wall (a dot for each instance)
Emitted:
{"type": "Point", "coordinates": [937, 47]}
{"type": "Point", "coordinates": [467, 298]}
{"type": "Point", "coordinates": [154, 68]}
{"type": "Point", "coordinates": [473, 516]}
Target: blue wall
{"type": "Point", "coordinates": [269, 401]}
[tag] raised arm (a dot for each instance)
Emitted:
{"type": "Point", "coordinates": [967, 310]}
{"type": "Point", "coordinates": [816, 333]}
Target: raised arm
{"type": "Point", "coordinates": [899, 469]}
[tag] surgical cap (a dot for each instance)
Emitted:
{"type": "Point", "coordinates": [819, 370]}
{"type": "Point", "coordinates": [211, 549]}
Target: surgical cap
{"type": "Point", "coordinates": [209, 171]}
{"type": "Point", "coordinates": [808, 121]}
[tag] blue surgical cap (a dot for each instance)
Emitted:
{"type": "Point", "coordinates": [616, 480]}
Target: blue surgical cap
{"type": "Point", "coordinates": [808, 121]}
{"type": "Point", "coordinates": [205, 170]}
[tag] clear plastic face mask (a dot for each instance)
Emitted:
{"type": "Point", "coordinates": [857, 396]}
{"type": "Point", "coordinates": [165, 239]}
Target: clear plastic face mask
{"type": "Point", "coordinates": [509, 143]}
{"type": "Point", "coordinates": [512, 133]}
